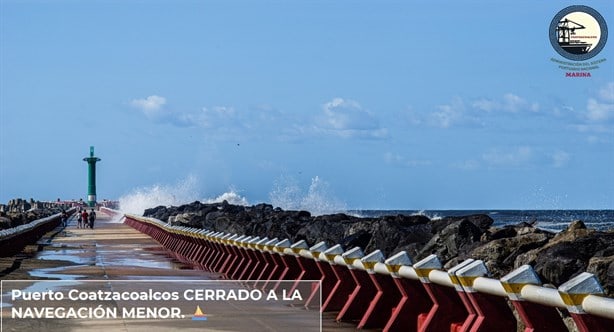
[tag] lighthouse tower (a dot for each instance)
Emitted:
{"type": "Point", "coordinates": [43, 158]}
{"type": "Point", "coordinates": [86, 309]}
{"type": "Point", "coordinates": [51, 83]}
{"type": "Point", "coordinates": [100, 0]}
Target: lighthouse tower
{"type": "Point", "coordinates": [91, 177]}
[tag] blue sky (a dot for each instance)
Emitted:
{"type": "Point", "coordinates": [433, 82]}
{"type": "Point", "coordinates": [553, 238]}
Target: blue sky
{"type": "Point", "coordinates": [388, 104]}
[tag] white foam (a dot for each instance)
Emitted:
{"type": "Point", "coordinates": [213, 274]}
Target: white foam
{"type": "Point", "coordinates": [286, 194]}
{"type": "Point", "coordinates": [431, 215]}
{"type": "Point", "coordinates": [318, 199]}
{"type": "Point", "coordinates": [139, 199]}
{"type": "Point", "coordinates": [230, 196]}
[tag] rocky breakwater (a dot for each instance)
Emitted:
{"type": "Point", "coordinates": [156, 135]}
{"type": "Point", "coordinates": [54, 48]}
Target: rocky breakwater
{"type": "Point", "coordinates": [20, 212]}
{"type": "Point", "coordinates": [556, 257]}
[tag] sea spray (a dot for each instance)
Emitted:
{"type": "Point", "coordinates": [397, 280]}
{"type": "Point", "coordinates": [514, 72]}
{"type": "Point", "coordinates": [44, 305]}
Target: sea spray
{"type": "Point", "coordinates": [183, 192]}
{"type": "Point", "coordinates": [286, 193]}
{"type": "Point", "coordinates": [148, 197]}
{"type": "Point", "coordinates": [429, 214]}
{"type": "Point", "coordinates": [231, 196]}
{"type": "Point", "coordinates": [318, 199]}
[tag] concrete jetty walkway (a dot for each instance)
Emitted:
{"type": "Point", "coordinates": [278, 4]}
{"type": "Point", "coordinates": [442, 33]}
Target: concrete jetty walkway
{"type": "Point", "coordinates": [114, 256]}
{"type": "Point", "coordinates": [113, 251]}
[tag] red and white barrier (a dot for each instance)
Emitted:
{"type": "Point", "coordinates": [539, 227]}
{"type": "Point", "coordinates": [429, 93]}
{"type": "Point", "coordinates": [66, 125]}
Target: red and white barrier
{"type": "Point", "coordinates": [392, 294]}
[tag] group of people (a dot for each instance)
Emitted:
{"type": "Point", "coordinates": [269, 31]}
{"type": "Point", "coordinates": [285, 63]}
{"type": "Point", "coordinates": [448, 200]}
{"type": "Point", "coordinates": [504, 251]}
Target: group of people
{"type": "Point", "coordinates": [85, 219]}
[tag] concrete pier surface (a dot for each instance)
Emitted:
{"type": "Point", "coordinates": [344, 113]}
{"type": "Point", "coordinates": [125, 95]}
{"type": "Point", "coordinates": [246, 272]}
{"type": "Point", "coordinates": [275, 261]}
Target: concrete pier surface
{"type": "Point", "coordinates": [116, 258]}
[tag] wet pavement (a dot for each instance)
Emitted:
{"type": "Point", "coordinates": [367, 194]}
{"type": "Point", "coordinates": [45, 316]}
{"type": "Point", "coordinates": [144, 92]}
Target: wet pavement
{"type": "Point", "coordinates": [115, 252]}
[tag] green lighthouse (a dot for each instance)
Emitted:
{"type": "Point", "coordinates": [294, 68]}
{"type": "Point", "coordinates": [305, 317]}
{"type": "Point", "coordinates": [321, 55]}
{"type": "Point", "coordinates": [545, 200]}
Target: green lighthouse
{"type": "Point", "coordinates": [91, 178]}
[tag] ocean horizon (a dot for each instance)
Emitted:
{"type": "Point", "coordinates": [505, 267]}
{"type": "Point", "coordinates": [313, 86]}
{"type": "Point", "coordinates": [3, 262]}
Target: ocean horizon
{"type": "Point", "coordinates": [554, 220]}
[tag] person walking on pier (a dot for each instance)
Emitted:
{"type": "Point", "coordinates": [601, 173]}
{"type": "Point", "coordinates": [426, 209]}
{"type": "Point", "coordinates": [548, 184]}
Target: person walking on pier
{"type": "Point", "coordinates": [79, 220]}
{"type": "Point", "coordinates": [92, 217]}
{"type": "Point", "coordinates": [64, 218]}
{"type": "Point", "coordinates": [84, 217]}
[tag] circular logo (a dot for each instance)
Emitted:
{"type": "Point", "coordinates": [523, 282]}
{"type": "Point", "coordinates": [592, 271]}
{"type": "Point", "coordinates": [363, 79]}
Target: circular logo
{"type": "Point", "coordinates": [578, 33]}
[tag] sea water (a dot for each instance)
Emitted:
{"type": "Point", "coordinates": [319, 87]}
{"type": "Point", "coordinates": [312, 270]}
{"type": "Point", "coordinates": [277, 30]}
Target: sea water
{"type": "Point", "coordinates": [552, 220]}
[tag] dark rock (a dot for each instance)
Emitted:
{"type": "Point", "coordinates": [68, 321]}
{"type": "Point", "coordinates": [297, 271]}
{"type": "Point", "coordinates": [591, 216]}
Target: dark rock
{"type": "Point", "coordinates": [504, 232]}
{"type": "Point", "coordinates": [459, 236]}
{"type": "Point", "coordinates": [500, 255]}
{"type": "Point", "coordinates": [358, 239]}
{"type": "Point", "coordinates": [568, 253]}
{"type": "Point", "coordinates": [481, 221]}
{"type": "Point", "coordinates": [393, 234]}
{"type": "Point", "coordinates": [575, 225]}
{"type": "Point", "coordinates": [5, 223]}
{"type": "Point", "coordinates": [320, 229]}
{"type": "Point", "coordinates": [156, 212]}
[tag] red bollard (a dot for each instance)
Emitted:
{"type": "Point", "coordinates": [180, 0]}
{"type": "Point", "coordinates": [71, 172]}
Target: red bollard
{"type": "Point", "coordinates": [536, 317]}
{"type": "Point", "coordinates": [244, 261]}
{"type": "Point", "coordinates": [202, 248]}
{"type": "Point", "coordinates": [288, 269]}
{"type": "Point", "coordinates": [182, 244]}
{"type": "Point", "coordinates": [493, 312]}
{"type": "Point", "coordinates": [270, 266]}
{"type": "Point", "coordinates": [343, 286]}
{"type": "Point", "coordinates": [279, 269]}
{"type": "Point", "coordinates": [307, 267]}
{"type": "Point", "coordinates": [265, 264]}
{"type": "Point", "coordinates": [293, 269]}
{"type": "Point", "coordinates": [218, 253]}
{"type": "Point", "coordinates": [385, 298]}
{"type": "Point", "coordinates": [209, 259]}
{"type": "Point", "coordinates": [231, 243]}
{"type": "Point", "coordinates": [198, 240]}
{"type": "Point", "coordinates": [214, 249]}
{"type": "Point", "coordinates": [223, 255]}
{"type": "Point", "coordinates": [448, 311]}
{"type": "Point", "coordinates": [235, 258]}
{"type": "Point", "coordinates": [205, 253]}
{"type": "Point", "coordinates": [259, 259]}
{"type": "Point", "coordinates": [327, 278]}
{"type": "Point", "coordinates": [414, 299]}
{"type": "Point", "coordinates": [252, 260]}
{"type": "Point", "coordinates": [472, 313]}
{"type": "Point", "coordinates": [296, 249]}
{"type": "Point", "coordinates": [364, 290]}
{"type": "Point", "coordinates": [573, 293]}
{"type": "Point", "coordinates": [229, 255]}
{"type": "Point", "coordinates": [189, 245]}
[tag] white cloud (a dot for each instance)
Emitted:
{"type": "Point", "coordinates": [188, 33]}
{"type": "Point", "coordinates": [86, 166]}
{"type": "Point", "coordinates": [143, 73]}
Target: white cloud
{"type": "Point", "coordinates": [601, 108]}
{"type": "Point", "coordinates": [606, 93]}
{"type": "Point", "coordinates": [598, 111]}
{"type": "Point", "coordinates": [150, 106]}
{"type": "Point", "coordinates": [509, 102]}
{"type": "Point", "coordinates": [412, 117]}
{"type": "Point", "coordinates": [218, 116]}
{"type": "Point", "coordinates": [398, 160]}
{"type": "Point", "coordinates": [477, 113]}
{"type": "Point", "coordinates": [227, 122]}
{"type": "Point", "coordinates": [347, 118]}
{"type": "Point", "coordinates": [560, 158]}
{"type": "Point", "coordinates": [511, 157]}
{"type": "Point", "coordinates": [486, 105]}
{"type": "Point", "coordinates": [468, 165]}
{"type": "Point", "coordinates": [155, 108]}
{"type": "Point", "coordinates": [513, 103]}
{"type": "Point", "coordinates": [448, 114]}
{"type": "Point", "coordinates": [445, 116]}
{"type": "Point", "coordinates": [597, 117]}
